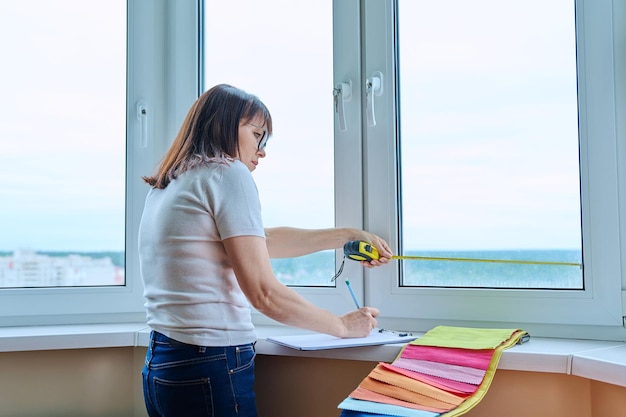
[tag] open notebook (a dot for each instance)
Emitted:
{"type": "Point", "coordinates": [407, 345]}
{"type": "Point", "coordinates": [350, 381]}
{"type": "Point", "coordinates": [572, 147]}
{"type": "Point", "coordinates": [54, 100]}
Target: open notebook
{"type": "Point", "coordinates": [318, 341]}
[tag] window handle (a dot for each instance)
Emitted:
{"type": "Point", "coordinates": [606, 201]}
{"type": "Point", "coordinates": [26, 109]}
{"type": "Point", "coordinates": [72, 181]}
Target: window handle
{"type": "Point", "coordinates": [373, 87]}
{"type": "Point", "coordinates": [341, 94]}
{"type": "Point", "coordinates": [142, 116]}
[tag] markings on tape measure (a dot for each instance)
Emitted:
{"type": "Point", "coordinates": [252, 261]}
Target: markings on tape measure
{"type": "Point", "coordinates": [503, 261]}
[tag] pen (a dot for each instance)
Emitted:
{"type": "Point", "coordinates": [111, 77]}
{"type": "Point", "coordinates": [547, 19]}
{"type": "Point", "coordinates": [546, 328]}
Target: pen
{"type": "Point", "coordinates": [400, 334]}
{"type": "Point", "coordinates": [356, 302]}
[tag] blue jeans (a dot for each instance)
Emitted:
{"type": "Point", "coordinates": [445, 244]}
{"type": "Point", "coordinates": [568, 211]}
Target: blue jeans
{"type": "Point", "coordinates": [198, 381]}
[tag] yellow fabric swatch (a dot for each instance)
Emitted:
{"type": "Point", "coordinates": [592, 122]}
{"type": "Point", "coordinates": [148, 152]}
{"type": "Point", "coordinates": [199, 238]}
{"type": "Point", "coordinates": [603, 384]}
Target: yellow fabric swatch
{"type": "Point", "coordinates": [465, 337]}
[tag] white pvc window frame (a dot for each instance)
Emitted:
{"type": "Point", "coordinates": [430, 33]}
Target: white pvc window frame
{"type": "Point", "coordinates": [162, 83]}
{"type": "Point", "coordinates": [596, 311]}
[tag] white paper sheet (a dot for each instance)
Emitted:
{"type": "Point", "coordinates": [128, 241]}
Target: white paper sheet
{"type": "Point", "coordinates": [318, 341]}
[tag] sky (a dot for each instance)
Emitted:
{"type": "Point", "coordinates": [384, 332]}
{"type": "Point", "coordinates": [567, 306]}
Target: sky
{"type": "Point", "coordinates": [488, 119]}
{"type": "Point", "coordinates": [62, 116]}
{"type": "Point", "coordinates": [489, 124]}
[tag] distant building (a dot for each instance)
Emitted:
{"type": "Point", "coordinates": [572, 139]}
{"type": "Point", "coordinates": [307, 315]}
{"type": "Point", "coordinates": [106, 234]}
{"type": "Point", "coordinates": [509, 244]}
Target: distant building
{"type": "Point", "coordinates": [28, 269]}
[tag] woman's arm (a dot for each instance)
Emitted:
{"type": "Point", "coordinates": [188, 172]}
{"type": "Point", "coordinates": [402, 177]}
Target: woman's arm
{"type": "Point", "coordinates": [289, 242]}
{"type": "Point", "coordinates": [251, 262]}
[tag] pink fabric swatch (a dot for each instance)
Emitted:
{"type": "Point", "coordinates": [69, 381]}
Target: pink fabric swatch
{"type": "Point", "coordinates": [452, 372]}
{"type": "Point", "coordinates": [459, 388]}
{"type": "Point", "coordinates": [473, 358]}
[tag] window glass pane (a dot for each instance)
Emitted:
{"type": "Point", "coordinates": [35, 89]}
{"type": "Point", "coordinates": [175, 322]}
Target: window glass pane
{"type": "Point", "coordinates": [62, 130]}
{"type": "Point", "coordinates": [281, 51]}
{"type": "Point", "coordinates": [489, 141]}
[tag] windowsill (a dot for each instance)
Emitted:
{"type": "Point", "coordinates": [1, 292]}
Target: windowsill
{"type": "Point", "coordinates": [596, 360]}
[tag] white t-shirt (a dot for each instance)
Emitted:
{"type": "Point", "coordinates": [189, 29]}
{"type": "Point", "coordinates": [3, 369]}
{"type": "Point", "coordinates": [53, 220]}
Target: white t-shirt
{"type": "Point", "coordinates": [190, 288]}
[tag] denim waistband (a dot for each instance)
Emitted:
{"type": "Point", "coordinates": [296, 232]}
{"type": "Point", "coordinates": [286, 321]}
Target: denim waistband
{"type": "Point", "coordinates": [161, 338]}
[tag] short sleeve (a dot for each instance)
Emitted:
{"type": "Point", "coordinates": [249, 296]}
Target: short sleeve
{"type": "Point", "coordinates": [235, 202]}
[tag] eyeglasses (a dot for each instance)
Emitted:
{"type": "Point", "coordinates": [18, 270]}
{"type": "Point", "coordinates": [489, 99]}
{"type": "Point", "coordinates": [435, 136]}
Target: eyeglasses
{"type": "Point", "coordinates": [263, 141]}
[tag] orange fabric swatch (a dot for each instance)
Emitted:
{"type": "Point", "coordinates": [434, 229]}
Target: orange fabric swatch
{"type": "Point", "coordinates": [393, 378]}
{"type": "Point", "coordinates": [361, 393]}
{"type": "Point", "coordinates": [404, 395]}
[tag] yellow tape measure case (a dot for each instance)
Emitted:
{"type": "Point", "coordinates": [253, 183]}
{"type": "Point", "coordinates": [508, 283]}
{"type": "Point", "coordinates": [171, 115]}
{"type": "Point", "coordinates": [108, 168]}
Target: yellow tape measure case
{"type": "Point", "coordinates": [360, 251]}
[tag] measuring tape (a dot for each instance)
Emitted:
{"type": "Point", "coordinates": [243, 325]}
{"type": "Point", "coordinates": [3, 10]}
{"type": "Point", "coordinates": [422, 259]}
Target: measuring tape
{"type": "Point", "coordinates": [362, 251]}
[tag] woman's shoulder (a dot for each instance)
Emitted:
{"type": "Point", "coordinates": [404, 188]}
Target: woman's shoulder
{"type": "Point", "coordinates": [226, 167]}
{"type": "Point", "coordinates": [228, 171]}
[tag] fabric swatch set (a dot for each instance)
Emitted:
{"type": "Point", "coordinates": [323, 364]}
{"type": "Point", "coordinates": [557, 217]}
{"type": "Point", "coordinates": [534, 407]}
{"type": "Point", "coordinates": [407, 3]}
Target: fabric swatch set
{"type": "Point", "coordinates": [446, 372]}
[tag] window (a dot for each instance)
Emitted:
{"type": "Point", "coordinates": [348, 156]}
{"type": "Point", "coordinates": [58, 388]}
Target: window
{"type": "Point", "coordinates": [283, 53]}
{"type": "Point", "coordinates": [374, 163]}
{"type": "Point", "coordinates": [489, 139]}
{"type": "Point", "coordinates": [63, 139]}
{"type": "Point", "coordinates": [591, 305]}
{"type": "Point", "coordinates": [81, 79]}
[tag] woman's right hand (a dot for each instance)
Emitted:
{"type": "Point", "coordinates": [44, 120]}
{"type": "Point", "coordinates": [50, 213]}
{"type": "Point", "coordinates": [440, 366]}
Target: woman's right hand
{"type": "Point", "coordinates": [360, 323]}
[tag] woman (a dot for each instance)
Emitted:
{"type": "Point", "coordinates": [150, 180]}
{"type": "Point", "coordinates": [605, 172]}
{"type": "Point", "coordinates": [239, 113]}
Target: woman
{"type": "Point", "coordinates": [205, 256]}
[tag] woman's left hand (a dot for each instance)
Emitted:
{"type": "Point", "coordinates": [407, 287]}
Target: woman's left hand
{"type": "Point", "coordinates": [384, 251]}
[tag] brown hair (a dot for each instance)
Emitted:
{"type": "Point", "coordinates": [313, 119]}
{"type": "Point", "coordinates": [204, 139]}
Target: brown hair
{"type": "Point", "coordinates": [210, 131]}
